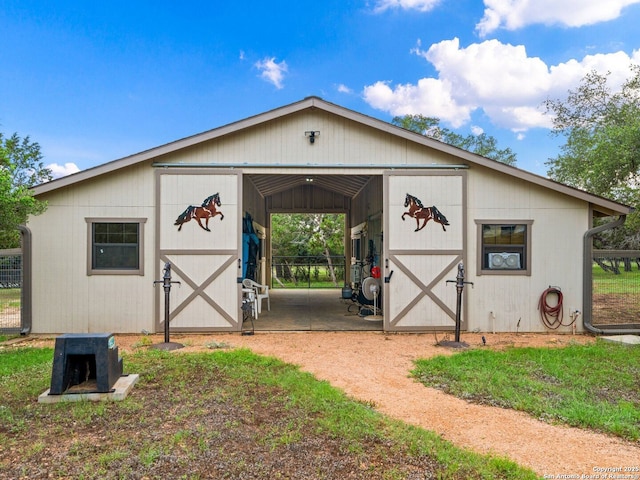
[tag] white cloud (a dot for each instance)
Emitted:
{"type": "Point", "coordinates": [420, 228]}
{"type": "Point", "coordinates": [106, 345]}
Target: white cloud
{"type": "Point", "coordinates": [514, 14]}
{"type": "Point", "coordinates": [477, 130]}
{"type": "Point", "coordinates": [490, 71]}
{"type": "Point", "coordinates": [344, 89]}
{"type": "Point", "coordinates": [420, 5]}
{"type": "Point", "coordinates": [430, 96]}
{"type": "Point", "coordinates": [62, 170]}
{"type": "Point", "coordinates": [500, 79]}
{"type": "Point", "coordinates": [272, 72]}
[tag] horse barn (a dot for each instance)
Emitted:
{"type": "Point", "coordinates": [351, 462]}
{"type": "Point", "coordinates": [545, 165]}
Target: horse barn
{"type": "Point", "coordinates": [110, 231]}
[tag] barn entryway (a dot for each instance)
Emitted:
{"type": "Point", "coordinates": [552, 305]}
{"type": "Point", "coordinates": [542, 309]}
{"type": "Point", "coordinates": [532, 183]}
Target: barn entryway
{"type": "Point", "coordinates": [316, 309]}
{"type": "Point", "coordinates": [353, 198]}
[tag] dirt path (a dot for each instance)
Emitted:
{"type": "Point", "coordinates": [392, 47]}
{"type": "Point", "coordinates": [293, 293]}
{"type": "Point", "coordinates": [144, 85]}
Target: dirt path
{"type": "Point", "coordinates": [374, 367]}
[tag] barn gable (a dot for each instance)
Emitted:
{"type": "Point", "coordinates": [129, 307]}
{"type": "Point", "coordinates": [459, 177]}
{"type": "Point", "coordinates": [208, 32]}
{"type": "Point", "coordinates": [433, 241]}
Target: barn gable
{"type": "Point", "coordinates": [332, 118]}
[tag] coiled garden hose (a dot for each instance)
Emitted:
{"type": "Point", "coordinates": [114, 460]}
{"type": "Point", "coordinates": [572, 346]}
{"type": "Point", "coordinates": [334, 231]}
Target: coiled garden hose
{"type": "Point", "coordinates": [551, 316]}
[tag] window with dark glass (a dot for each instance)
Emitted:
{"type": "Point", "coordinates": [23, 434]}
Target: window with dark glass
{"type": "Point", "coordinates": [504, 246]}
{"type": "Point", "coordinates": [115, 246]}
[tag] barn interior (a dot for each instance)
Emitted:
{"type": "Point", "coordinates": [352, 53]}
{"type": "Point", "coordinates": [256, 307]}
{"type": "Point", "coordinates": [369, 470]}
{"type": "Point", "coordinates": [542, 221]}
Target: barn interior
{"type": "Point", "coordinates": [348, 306]}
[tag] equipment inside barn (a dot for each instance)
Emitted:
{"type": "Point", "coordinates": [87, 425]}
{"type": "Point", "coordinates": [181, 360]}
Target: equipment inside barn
{"type": "Point", "coordinates": [85, 363]}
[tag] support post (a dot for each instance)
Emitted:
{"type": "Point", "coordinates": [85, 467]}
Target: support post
{"type": "Point", "coordinates": [460, 283]}
{"type": "Point", "coordinates": [166, 283]}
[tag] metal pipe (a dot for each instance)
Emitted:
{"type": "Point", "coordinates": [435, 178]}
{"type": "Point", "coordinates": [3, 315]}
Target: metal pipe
{"type": "Point", "coordinates": [460, 283]}
{"type": "Point", "coordinates": [167, 290]}
{"type": "Point", "coordinates": [587, 287]}
{"type": "Point", "coordinates": [26, 299]}
{"type": "Point", "coordinates": [166, 283]}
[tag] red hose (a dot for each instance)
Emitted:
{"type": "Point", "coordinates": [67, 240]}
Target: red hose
{"type": "Point", "coordinates": [551, 316]}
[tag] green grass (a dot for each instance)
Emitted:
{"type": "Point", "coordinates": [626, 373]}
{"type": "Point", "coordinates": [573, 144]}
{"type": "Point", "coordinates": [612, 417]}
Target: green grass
{"type": "Point", "coordinates": [305, 284]}
{"type": "Point", "coordinates": [608, 282]}
{"type": "Point", "coordinates": [588, 386]}
{"type": "Point", "coordinates": [311, 278]}
{"type": "Point", "coordinates": [185, 405]}
{"type": "Point", "coordinates": [9, 297]}
{"type": "Point", "coordinates": [14, 361]}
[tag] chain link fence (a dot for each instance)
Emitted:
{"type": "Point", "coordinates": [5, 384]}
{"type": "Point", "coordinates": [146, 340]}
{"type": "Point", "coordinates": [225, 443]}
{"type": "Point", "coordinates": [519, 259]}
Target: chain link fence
{"type": "Point", "coordinates": [616, 288]}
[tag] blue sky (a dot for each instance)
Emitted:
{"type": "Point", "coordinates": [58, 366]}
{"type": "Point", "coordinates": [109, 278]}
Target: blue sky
{"type": "Point", "coordinates": [92, 82]}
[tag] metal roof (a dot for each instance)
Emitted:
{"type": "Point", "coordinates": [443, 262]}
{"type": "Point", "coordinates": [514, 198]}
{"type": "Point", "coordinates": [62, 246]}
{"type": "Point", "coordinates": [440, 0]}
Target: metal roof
{"type": "Point", "coordinates": [270, 184]}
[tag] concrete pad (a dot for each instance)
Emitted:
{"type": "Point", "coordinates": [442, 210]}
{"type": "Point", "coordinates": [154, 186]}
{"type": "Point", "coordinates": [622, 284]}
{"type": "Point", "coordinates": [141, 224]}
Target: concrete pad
{"type": "Point", "coordinates": [625, 339]}
{"type": "Point", "coordinates": [122, 387]}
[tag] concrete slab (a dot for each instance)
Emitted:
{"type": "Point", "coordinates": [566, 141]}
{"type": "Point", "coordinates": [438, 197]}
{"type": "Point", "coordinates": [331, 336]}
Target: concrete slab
{"type": "Point", "coordinates": [314, 309]}
{"type": "Point", "coordinates": [122, 388]}
{"type": "Point", "coordinates": [625, 339]}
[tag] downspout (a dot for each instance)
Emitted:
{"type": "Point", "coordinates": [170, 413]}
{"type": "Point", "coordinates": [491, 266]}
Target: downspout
{"type": "Point", "coordinates": [26, 299]}
{"type": "Point", "coordinates": [587, 287]}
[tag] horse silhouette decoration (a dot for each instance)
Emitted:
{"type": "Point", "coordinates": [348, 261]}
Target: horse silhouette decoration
{"type": "Point", "coordinates": [205, 212]}
{"type": "Point", "coordinates": [420, 212]}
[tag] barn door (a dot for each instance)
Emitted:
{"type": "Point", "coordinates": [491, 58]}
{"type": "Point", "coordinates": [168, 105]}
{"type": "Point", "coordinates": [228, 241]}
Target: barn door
{"type": "Point", "coordinates": [205, 262]}
{"type": "Point", "coordinates": [418, 263]}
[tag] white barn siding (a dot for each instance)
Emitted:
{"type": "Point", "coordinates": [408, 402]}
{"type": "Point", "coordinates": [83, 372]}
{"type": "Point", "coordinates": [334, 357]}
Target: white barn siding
{"type": "Point", "coordinates": [500, 301]}
{"type": "Point", "coordinates": [283, 142]}
{"type": "Point", "coordinates": [65, 298]}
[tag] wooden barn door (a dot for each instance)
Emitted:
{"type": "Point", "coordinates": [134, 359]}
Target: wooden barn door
{"type": "Point", "coordinates": [417, 264]}
{"type": "Point", "coordinates": [206, 263]}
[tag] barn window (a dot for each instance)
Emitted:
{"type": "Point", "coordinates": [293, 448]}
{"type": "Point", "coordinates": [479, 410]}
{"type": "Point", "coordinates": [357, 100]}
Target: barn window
{"type": "Point", "coordinates": [504, 248]}
{"type": "Point", "coordinates": [115, 246]}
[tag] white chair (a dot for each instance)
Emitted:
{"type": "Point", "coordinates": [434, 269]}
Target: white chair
{"type": "Point", "coordinates": [262, 292]}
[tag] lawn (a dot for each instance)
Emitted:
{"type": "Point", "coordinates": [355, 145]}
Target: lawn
{"type": "Point", "coordinates": [610, 283]}
{"type": "Point", "coordinates": [9, 297]}
{"type": "Point", "coordinates": [594, 386]}
{"type": "Point", "coordinates": [218, 414]}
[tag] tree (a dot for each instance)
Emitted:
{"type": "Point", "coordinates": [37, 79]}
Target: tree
{"type": "Point", "coordinates": [21, 167]}
{"type": "Point", "coordinates": [602, 150]}
{"type": "Point", "coordinates": [306, 235]}
{"type": "Point", "coordinates": [482, 144]}
{"type": "Point", "coordinates": [328, 237]}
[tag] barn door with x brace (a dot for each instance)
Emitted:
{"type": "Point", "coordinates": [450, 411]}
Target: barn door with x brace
{"type": "Point", "coordinates": [424, 241]}
{"type": "Point", "coordinates": [198, 230]}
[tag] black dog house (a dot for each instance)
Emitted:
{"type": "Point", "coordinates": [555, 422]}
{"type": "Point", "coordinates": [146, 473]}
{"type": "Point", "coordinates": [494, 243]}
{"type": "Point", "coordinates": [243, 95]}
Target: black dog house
{"type": "Point", "coordinates": [85, 363]}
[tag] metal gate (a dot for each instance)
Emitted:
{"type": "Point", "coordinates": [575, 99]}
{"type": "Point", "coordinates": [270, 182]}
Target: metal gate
{"type": "Point", "coordinates": [419, 256]}
{"type": "Point", "coordinates": [10, 290]}
{"type": "Point", "coordinates": [616, 289]}
{"type": "Point", "coordinates": [198, 230]}
{"type": "Point", "coordinates": [15, 286]}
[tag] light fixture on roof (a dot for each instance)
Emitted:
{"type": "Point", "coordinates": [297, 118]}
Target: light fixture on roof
{"type": "Point", "coordinates": [312, 134]}
{"type": "Point", "coordinates": [309, 179]}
